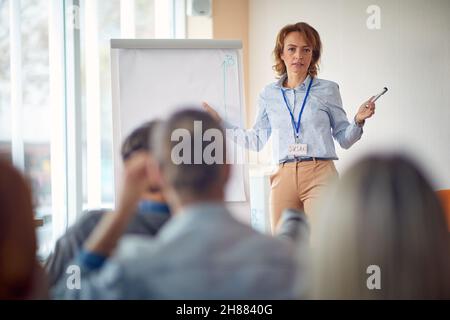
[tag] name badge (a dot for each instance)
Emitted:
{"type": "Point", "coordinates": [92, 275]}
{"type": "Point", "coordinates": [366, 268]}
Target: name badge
{"type": "Point", "coordinates": [298, 149]}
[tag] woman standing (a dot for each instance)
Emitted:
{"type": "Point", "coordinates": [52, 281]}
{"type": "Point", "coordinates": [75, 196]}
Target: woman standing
{"type": "Point", "coordinates": [306, 112]}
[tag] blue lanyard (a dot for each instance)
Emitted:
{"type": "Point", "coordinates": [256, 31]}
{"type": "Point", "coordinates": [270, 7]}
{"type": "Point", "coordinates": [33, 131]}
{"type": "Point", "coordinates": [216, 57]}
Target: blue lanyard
{"type": "Point", "coordinates": [296, 126]}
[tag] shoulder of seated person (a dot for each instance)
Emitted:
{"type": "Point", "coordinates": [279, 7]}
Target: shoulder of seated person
{"type": "Point", "coordinates": [90, 217]}
{"type": "Point", "coordinates": [82, 226]}
{"type": "Point", "coordinates": [93, 215]}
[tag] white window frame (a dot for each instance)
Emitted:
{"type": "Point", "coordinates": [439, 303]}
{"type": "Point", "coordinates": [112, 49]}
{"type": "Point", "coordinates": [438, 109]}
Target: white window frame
{"type": "Point", "coordinates": [127, 19]}
{"type": "Point", "coordinates": [65, 96]}
{"type": "Point", "coordinates": [58, 153]}
{"type": "Point", "coordinates": [57, 106]}
{"type": "Point", "coordinates": [15, 36]}
{"type": "Point", "coordinates": [73, 111]}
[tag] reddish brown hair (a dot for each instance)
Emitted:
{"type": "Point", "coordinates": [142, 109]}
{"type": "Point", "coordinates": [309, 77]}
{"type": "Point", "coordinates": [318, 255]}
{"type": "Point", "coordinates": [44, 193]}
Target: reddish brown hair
{"type": "Point", "coordinates": [17, 235]}
{"type": "Point", "coordinates": [312, 38]}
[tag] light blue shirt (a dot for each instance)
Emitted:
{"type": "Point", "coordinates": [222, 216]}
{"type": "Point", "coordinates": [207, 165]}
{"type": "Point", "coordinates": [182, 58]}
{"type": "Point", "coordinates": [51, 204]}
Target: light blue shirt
{"type": "Point", "coordinates": [201, 253]}
{"type": "Point", "coordinates": [323, 119]}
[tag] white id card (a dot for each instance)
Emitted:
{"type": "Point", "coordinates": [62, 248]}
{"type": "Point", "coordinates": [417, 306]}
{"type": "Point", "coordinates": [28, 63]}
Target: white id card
{"type": "Point", "coordinates": [298, 149]}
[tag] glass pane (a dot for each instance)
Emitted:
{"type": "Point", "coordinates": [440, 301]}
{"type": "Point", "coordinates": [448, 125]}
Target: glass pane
{"type": "Point", "coordinates": [36, 128]}
{"type": "Point", "coordinates": [145, 19]}
{"type": "Point", "coordinates": [105, 25]}
{"type": "Point", "coordinates": [109, 18]}
{"type": "Point", "coordinates": [5, 83]}
{"type": "Point", "coordinates": [108, 27]}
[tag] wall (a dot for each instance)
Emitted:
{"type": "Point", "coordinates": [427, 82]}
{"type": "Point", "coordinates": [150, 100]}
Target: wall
{"type": "Point", "coordinates": [199, 27]}
{"type": "Point", "coordinates": [230, 21]}
{"type": "Point", "coordinates": [410, 54]}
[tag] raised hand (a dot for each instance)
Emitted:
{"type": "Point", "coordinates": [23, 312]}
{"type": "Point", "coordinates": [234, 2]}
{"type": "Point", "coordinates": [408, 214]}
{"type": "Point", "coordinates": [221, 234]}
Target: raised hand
{"type": "Point", "coordinates": [213, 113]}
{"type": "Point", "coordinates": [365, 111]}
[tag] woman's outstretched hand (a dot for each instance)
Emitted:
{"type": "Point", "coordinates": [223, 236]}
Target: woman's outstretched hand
{"type": "Point", "coordinates": [213, 113]}
{"type": "Point", "coordinates": [365, 111]}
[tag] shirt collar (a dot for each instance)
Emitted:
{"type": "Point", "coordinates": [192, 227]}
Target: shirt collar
{"type": "Point", "coordinates": [279, 83]}
{"type": "Point", "coordinates": [147, 206]}
{"type": "Point", "coordinates": [200, 207]}
{"type": "Point", "coordinates": [198, 217]}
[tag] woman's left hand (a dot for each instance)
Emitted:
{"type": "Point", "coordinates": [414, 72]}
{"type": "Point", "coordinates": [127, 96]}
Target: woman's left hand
{"type": "Point", "coordinates": [366, 110]}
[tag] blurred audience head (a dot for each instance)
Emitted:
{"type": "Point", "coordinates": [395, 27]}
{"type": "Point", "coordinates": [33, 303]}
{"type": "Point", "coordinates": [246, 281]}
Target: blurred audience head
{"type": "Point", "coordinates": [140, 139]}
{"type": "Point", "coordinates": [381, 234]}
{"type": "Point", "coordinates": [190, 150]}
{"type": "Point", "coordinates": [17, 235]}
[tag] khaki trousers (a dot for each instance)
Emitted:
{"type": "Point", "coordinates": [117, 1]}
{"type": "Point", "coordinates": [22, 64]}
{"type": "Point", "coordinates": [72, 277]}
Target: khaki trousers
{"type": "Point", "coordinates": [297, 185]}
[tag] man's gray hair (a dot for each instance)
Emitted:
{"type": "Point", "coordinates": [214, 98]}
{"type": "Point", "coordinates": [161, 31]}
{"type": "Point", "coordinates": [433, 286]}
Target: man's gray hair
{"type": "Point", "coordinates": [184, 151]}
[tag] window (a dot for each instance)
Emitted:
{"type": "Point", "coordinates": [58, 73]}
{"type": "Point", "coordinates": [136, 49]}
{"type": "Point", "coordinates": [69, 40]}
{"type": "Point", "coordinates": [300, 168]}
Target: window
{"type": "Point", "coordinates": [25, 133]}
{"type": "Point", "coordinates": [101, 21]}
{"type": "Point", "coordinates": [5, 83]}
{"type": "Point", "coordinates": [55, 96]}
{"type": "Point", "coordinates": [35, 123]}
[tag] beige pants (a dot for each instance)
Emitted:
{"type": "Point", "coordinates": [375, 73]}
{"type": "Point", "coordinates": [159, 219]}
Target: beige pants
{"type": "Point", "coordinates": [297, 185]}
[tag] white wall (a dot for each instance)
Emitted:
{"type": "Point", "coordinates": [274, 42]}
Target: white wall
{"type": "Point", "coordinates": [410, 54]}
{"type": "Point", "coordinates": [199, 27]}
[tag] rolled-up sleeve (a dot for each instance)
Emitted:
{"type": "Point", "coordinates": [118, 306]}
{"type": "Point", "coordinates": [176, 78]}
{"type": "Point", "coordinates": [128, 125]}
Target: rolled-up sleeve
{"type": "Point", "coordinates": [256, 137]}
{"type": "Point", "coordinates": [343, 131]}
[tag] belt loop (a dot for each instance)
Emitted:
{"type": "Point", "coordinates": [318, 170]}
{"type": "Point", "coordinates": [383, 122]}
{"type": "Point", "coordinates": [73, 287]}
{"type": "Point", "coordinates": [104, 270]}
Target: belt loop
{"type": "Point", "coordinates": [315, 160]}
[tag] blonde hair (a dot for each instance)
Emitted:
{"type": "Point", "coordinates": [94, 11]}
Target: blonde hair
{"type": "Point", "coordinates": [311, 36]}
{"type": "Point", "coordinates": [382, 212]}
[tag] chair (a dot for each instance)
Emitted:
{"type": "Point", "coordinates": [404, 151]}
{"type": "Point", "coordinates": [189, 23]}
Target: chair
{"type": "Point", "coordinates": [444, 196]}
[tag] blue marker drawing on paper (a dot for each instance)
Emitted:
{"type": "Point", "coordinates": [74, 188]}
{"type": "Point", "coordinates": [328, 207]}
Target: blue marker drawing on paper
{"type": "Point", "coordinates": [227, 62]}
